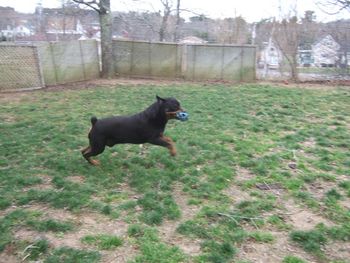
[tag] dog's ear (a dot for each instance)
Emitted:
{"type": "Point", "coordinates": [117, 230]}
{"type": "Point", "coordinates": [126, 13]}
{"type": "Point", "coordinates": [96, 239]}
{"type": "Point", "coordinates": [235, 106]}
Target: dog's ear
{"type": "Point", "coordinates": [159, 99]}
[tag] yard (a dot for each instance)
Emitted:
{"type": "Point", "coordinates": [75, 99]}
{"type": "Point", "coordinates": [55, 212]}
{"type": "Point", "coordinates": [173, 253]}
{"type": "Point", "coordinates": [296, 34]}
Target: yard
{"type": "Point", "coordinates": [262, 175]}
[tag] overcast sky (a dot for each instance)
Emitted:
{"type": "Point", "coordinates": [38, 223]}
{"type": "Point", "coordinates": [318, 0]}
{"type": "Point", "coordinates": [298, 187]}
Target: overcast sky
{"type": "Point", "coordinates": [251, 10]}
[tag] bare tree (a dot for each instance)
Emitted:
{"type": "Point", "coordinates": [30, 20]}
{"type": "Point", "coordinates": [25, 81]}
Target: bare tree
{"type": "Point", "coordinates": [333, 7]}
{"type": "Point", "coordinates": [103, 8]}
{"type": "Point", "coordinates": [178, 20]}
{"type": "Point", "coordinates": [287, 37]}
{"type": "Point", "coordinates": [167, 5]}
{"type": "Point", "coordinates": [232, 31]}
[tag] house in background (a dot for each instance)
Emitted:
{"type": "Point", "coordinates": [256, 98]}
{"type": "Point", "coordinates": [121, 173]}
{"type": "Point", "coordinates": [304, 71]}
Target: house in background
{"type": "Point", "coordinates": [270, 55]}
{"type": "Point", "coordinates": [192, 40]}
{"type": "Point", "coordinates": [14, 25]}
{"type": "Point", "coordinates": [325, 52]}
{"type": "Point", "coordinates": [305, 58]}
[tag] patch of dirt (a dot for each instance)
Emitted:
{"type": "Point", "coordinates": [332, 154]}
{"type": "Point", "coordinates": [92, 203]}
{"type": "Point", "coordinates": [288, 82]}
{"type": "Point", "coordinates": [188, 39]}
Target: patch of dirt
{"type": "Point", "coordinates": [49, 212]}
{"type": "Point", "coordinates": [9, 118]}
{"type": "Point", "coordinates": [167, 230]}
{"type": "Point", "coordinates": [45, 185]}
{"type": "Point", "coordinates": [122, 254]}
{"type": "Point", "coordinates": [310, 143]}
{"type": "Point", "coordinates": [302, 218]}
{"type": "Point", "coordinates": [243, 174]}
{"type": "Point", "coordinates": [8, 258]}
{"type": "Point", "coordinates": [271, 252]}
{"type": "Point", "coordinates": [345, 203]}
{"type": "Point", "coordinates": [79, 179]}
{"type": "Point", "coordinates": [86, 224]}
{"type": "Point", "coordinates": [319, 188]}
{"type": "Point", "coordinates": [8, 210]}
{"type": "Point", "coordinates": [338, 251]}
{"type": "Point", "coordinates": [12, 96]}
{"type": "Point", "coordinates": [236, 195]}
{"type": "Point", "coordinates": [115, 82]}
{"type": "Point", "coordinates": [323, 85]}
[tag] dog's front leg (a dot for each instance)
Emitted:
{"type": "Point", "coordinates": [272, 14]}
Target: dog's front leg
{"type": "Point", "coordinates": [165, 142]}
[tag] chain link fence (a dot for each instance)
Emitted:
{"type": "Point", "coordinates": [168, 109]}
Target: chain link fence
{"type": "Point", "coordinates": [19, 67]}
{"type": "Point", "coordinates": [48, 63]}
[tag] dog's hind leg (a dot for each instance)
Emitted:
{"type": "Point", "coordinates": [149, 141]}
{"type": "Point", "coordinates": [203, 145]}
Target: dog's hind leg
{"type": "Point", "coordinates": [93, 150]}
{"type": "Point", "coordinates": [165, 142]}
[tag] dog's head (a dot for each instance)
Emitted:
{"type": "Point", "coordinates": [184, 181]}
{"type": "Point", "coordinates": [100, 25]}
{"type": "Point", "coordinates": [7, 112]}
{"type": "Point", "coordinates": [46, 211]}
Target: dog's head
{"type": "Point", "coordinates": [170, 106]}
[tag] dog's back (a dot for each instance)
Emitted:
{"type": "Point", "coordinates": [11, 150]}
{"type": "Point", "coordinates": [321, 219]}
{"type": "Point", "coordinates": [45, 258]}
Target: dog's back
{"type": "Point", "coordinates": [136, 129]}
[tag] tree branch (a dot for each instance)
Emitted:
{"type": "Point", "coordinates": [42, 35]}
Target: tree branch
{"type": "Point", "coordinates": [89, 4]}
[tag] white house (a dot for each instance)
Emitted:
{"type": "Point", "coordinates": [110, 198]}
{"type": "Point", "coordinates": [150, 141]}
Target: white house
{"type": "Point", "coordinates": [271, 56]}
{"type": "Point", "coordinates": [192, 40]}
{"type": "Point", "coordinates": [325, 52]}
{"type": "Point", "coordinates": [19, 31]}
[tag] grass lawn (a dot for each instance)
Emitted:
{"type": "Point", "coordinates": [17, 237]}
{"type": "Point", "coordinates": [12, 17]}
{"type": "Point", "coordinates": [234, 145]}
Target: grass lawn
{"type": "Point", "coordinates": [262, 174]}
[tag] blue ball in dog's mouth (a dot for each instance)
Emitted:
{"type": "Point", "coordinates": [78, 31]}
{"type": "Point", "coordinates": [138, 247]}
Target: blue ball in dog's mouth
{"type": "Point", "coordinates": [182, 115]}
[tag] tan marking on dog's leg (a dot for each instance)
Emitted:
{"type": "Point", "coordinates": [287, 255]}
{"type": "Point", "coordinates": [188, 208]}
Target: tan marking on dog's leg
{"type": "Point", "coordinates": [93, 162]}
{"type": "Point", "coordinates": [171, 145]}
{"type": "Point", "coordinates": [83, 151]}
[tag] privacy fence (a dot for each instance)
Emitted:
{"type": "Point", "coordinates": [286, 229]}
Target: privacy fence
{"type": "Point", "coordinates": [44, 64]}
{"type": "Point", "coordinates": [191, 62]}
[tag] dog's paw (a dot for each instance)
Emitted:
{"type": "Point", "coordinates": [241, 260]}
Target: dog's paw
{"type": "Point", "coordinates": [94, 162]}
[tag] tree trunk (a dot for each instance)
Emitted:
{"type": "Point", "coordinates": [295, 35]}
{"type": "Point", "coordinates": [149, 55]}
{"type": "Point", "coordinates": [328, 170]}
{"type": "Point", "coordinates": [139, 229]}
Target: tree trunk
{"type": "Point", "coordinates": [103, 8]}
{"type": "Point", "coordinates": [294, 71]}
{"type": "Point", "coordinates": [177, 25]}
{"type": "Point", "coordinates": [106, 45]}
{"type": "Point", "coordinates": [163, 27]}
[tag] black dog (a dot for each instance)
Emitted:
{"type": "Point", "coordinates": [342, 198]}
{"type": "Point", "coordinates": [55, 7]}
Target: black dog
{"type": "Point", "coordinates": [144, 127]}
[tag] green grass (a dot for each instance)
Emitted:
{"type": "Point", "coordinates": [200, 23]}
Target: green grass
{"type": "Point", "coordinates": [70, 255]}
{"type": "Point", "coordinates": [104, 242]}
{"type": "Point", "coordinates": [259, 128]}
{"type": "Point", "coordinates": [293, 259]}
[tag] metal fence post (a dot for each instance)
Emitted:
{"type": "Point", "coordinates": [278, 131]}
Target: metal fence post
{"type": "Point", "coordinates": [53, 62]}
{"type": "Point", "coordinates": [82, 59]}
{"type": "Point", "coordinates": [183, 69]}
{"type": "Point", "coordinates": [38, 64]}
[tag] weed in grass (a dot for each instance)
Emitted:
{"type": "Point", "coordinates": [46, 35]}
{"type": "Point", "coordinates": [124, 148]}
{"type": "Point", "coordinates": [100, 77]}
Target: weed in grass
{"type": "Point", "coordinates": [335, 211]}
{"type": "Point", "coordinates": [333, 194]}
{"type": "Point", "coordinates": [312, 241]}
{"type": "Point", "coordinates": [252, 209]}
{"type": "Point", "coordinates": [345, 185]}
{"type": "Point", "coordinates": [194, 229]}
{"type": "Point", "coordinates": [156, 206]}
{"type": "Point", "coordinates": [293, 259]}
{"type": "Point", "coordinates": [131, 204]}
{"type": "Point", "coordinates": [70, 255]}
{"type": "Point", "coordinates": [135, 230]}
{"type": "Point", "coordinates": [216, 252]}
{"type": "Point", "coordinates": [104, 242]}
{"type": "Point", "coordinates": [106, 210]}
{"type": "Point", "coordinates": [307, 199]}
{"type": "Point", "coordinates": [261, 237]}
{"type": "Point", "coordinates": [278, 222]}
{"type": "Point", "coordinates": [17, 218]}
{"type": "Point", "coordinates": [341, 232]}
{"type": "Point", "coordinates": [50, 225]}
{"type": "Point", "coordinates": [36, 250]}
{"type": "Point", "coordinates": [152, 250]}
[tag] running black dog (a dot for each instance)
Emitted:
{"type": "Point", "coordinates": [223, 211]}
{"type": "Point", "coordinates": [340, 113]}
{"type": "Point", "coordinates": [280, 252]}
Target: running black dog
{"type": "Point", "coordinates": [144, 127]}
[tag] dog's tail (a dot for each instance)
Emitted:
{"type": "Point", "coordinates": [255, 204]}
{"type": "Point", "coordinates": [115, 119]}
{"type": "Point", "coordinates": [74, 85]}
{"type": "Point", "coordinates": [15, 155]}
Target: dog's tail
{"type": "Point", "coordinates": [93, 120]}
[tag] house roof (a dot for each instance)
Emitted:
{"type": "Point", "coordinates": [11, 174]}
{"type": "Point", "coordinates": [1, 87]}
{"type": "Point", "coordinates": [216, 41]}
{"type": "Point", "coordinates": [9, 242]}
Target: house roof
{"type": "Point", "coordinates": [192, 40]}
